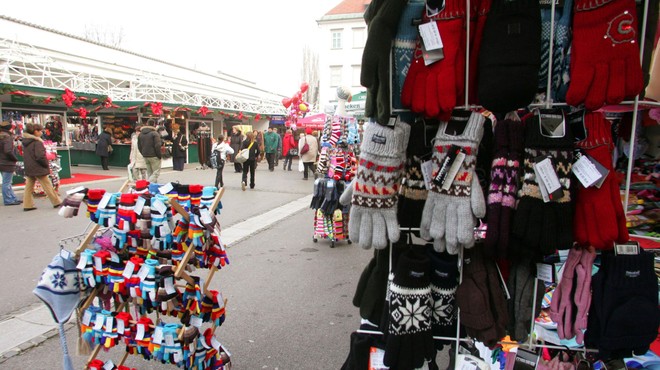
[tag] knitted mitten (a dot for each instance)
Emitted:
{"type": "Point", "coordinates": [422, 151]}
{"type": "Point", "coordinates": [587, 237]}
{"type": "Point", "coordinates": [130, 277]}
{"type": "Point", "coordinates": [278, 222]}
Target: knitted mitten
{"type": "Point", "coordinates": [561, 307]}
{"type": "Point", "coordinates": [582, 297]}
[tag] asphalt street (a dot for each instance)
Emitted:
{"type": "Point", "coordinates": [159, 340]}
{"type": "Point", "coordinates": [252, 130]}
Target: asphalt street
{"type": "Point", "coordinates": [289, 299]}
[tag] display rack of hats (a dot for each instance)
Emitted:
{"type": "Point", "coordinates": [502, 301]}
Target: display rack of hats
{"type": "Point", "coordinates": [336, 166]}
{"type": "Point", "coordinates": [506, 64]}
{"type": "Point", "coordinates": [136, 262]}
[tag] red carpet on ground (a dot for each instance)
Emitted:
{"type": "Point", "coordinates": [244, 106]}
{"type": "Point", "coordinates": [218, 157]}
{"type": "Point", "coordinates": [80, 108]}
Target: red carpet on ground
{"type": "Point", "coordinates": [81, 177]}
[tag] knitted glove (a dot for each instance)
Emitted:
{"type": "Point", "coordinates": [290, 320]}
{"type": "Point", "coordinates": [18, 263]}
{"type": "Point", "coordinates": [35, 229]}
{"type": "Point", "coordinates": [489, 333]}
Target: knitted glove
{"type": "Point", "coordinates": [510, 55]}
{"type": "Point", "coordinates": [599, 217]}
{"type": "Point", "coordinates": [434, 90]}
{"type": "Point", "coordinates": [541, 228]}
{"type": "Point", "coordinates": [375, 72]}
{"type": "Point", "coordinates": [605, 64]}
{"type": "Point", "coordinates": [409, 341]}
{"type": "Point", "coordinates": [71, 205]}
{"type": "Point", "coordinates": [449, 216]}
{"type": "Point", "coordinates": [561, 307]}
{"type": "Point", "coordinates": [496, 188]}
{"type": "Point", "coordinates": [403, 48]}
{"type": "Point", "coordinates": [444, 282]}
{"type": "Point", "coordinates": [521, 288]}
{"type": "Point", "coordinates": [372, 219]}
{"type": "Point", "coordinates": [582, 296]}
{"type": "Point", "coordinates": [561, 42]}
{"type": "Point", "coordinates": [372, 287]}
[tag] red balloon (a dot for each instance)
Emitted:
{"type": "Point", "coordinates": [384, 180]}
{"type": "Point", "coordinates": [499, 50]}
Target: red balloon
{"type": "Point", "coordinates": [286, 102]}
{"type": "Point", "coordinates": [304, 86]}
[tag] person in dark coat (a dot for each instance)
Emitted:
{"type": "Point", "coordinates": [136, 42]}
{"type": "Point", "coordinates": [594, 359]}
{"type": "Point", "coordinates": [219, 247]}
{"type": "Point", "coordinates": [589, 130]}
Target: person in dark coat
{"type": "Point", "coordinates": [103, 146]}
{"type": "Point", "coordinates": [251, 164]}
{"type": "Point", "coordinates": [235, 141]}
{"type": "Point", "coordinates": [179, 146]}
{"type": "Point", "coordinates": [36, 167]}
{"type": "Point", "coordinates": [149, 145]}
{"type": "Point", "coordinates": [8, 161]}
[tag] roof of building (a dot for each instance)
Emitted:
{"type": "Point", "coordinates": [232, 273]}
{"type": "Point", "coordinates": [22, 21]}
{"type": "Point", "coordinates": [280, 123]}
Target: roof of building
{"type": "Point", "coordinates": [349, 7]}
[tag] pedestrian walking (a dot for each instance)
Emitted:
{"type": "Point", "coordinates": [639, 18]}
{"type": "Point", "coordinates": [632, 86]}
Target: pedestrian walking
{"type": "Point", "coordinates": [36, 167]}
{"type": "Point", "coordinates": [8, 161]}
{"type": "Point", "coordinates": [278, 153]}
{"type": "Point", "coordinates": [149, 144]}
{"type": "Point", "coordinates": [136, 164]}
{"type": "Point", "coordinates": [104, 147]}
{"type": "Point", "coordinates": [179, 147]}
{"type": "Point", "coordinates": [251, 164]}
{"type": "Point", "coordinates": [223, 149]}
{"type": "Point", "coordinates": [270, 147]}
{"type": "Point", "coordinates": [308, 157]}
{"type": "Point", "coordinates": [289, 149]}
{"type": "Point", "coordinates": [259, 140]}
{"type": "Point", "coordinates": [235, 141]}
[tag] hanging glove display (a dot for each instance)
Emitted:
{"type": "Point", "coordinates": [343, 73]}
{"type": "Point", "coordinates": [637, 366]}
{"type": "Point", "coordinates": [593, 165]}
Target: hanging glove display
{"type": "Point", "coordinates": [452, 205]}
{"type": "Point", "coordinates": [409, 342]}
{"type": "Point", "coordinates": [434, 90]}
{"type": "Point", "coordinates": [561, 42]}
{"type": "Point", "coordinates": [605, 65]}
{"type": "Point", "coordinates": [373, 194]}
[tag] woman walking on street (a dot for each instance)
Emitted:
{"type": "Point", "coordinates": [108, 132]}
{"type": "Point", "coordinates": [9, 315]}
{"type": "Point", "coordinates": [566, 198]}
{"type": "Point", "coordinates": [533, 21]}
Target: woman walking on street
{"type": "Point", "coordinates": [289, 149]}
{"type": "Point", "coordinates": [104, 147]}
{"type": "Point", "coordinates": [179, 146]}
{"type": "Point", "coordinates": [235, 141]}
{"type": "Point", "coordinates": [36, 167]}
{"type": "Point", "coordinates": [223, 148]}
{"type": "Point", "coordinates": [251, 164]}
{"type": "Point", "coordinates": [8, 161]}
{"type": "Point", "coordinates": [308, 157]}
{"type": "Point", "coordinates": [137, 165]}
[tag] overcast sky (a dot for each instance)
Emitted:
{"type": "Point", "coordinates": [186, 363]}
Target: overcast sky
{"type": "Point", "coordinates": [258, 40]}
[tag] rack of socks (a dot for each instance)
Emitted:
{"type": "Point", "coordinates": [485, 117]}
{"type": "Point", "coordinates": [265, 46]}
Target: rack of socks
{"type": "Point", "coordinates": [136, 260]}
{"type": "Point", "coordinates": [335, 168]}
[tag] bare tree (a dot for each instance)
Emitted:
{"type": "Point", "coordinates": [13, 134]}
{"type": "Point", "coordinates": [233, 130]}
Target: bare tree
{"type": "Point", "coordinates": [104, 35]}
{"type": "Point", "coordinates": [310, 74]}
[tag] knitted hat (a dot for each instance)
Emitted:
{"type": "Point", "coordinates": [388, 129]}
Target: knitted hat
{"type": "Point", "coordinates": [510, 55]}
{"type": "Point", "coordinates": [59, 288]}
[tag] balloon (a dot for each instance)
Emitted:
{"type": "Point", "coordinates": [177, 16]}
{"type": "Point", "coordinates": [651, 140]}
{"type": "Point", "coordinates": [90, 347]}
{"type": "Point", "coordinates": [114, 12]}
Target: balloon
{"type": "Point", "coordinates": [286, 102]}
{"type": "Point", "coordinates": [303, 107]}
{"type": "Point", "coordinates": [304, 86]}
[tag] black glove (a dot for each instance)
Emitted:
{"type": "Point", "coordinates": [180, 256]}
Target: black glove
{"type": "Point", "coordinates": [444, 282]}
{"type": "Point", "coordinates": [372, 287]}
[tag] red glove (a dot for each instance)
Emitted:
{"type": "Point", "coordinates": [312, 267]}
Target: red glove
{"type": "Point", "coordinates": [433, 90]}
{"type": "Point", "coordinates": [605, 65]}
{"type": "Point", "coordinates": [599, 219]}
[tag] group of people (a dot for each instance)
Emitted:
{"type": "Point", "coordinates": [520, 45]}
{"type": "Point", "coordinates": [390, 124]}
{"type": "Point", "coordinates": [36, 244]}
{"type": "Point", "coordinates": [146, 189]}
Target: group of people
{"type": "Point", "coordinates": [271, 144]}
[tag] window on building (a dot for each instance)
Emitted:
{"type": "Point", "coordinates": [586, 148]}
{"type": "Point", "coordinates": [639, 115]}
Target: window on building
{"type": "Point", "coordinates": [358, 37]}
{"type": "Point", "coordinates": [335, 76]}
{"type": "Point", "coordinates": [336, 39]}
{"type": "Point", "coordinates": [356, 75]}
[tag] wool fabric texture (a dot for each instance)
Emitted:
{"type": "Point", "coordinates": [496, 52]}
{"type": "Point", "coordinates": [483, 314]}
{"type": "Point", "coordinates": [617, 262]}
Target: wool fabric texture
{"type": "Point", "coordinates": [372, 287]}
{"type": "Point", "coordinates": [599, 217]}
{"type": "Point", "coordinates": [449, 216]}
{"type": "Point", "coordinates": [582, 296]}
{"type": "Point", "coordinates": [560, 44]}
{"type": "Point", "coordinates": [434, 90]}
{"type": "Point", "coordinates": [409, 342]}
{"type": "Point", "coordinates": [375, 71]}
{"type": "Point", "coordinates": [540, 228]}
{"type": "Point", "coordinates": [624, 315]}
{"type": "Point", "coordinates": [403, 48]}
{"type": "Point", "coordinates": [444, 282]}
{"type": "Point", "coordinates": [605, 65]}
{"type": "Point", "coordinates": [479, 11]}
{"type": "Point", "coordinates": [496, 187]}
{"type": "Point", "coordinates": [510, 55]}
{"type": "Point", "coordinates": [373, 193]}
{"type": "Point", "coordinates": [562, 306]}
{"type": "Point", "coordinates": [521, 288]}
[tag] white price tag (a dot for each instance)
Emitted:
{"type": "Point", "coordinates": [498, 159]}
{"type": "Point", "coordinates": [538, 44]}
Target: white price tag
{"type": "Point", "coordinates": [121, 328]}
{"type": "Point", "coordinates": [178, 357]}
{"type": "Point", "coordinates": [542, 189]}
{"type": "Point", "coordinates": [100, 320]}
{"type": "Point", "coordinates": [109, 365]}
{"type": "Point", "coordinates": [166, 188]}
{"type": "Point", "coordinates": [427, 173]}
{"type": "Point", "coordinates": [98, 264]}
{"type": "Point", "coordinates": [586, 171]}
{"type": "Point", "coordinates": [75, 190]}
{"type": "Point", "coordinates": [144, 271]}
{"type": "Point", "coordinates": [547, 175]}
{"type": "Point", "coordinates": [453, 170]}
{"type": "Point", "coordinates": [104, 201]}
{"type": "Point", "coordinates": [196, 321]}
{"type": "Point", "coordinates": [109, 324]}
{"type": "Point", "coordinates": [114, 257]}
{"type": "Point", "coordinates": [430, 36]}
{"type": "Point", "coordinates": [152, 295]}
{"type": "Point", "coordinates": [139, 205]}
{"type": "Point", "coordinates": [157, 338]}
{"type": "Point", "coordinates": [169, 340]}
{"type": "Point", "coordinates": [87, 317]}
{"type": "Point", "coordinates": [139, 334]}
{"type": "Point", "coordinates": [215, 344]}
{"type": "Point", "coordinates": [544, 272]}
{"type": "Point", "coordinates": [376, 356]}
{"type": "Point", "coordinates": [205, 216]}
{"type": "Point", "coordinates": [82, 262]}
{"type": "Point", "coordinates": [128, 270]}
{"type": "Point", "coordinates": [159, 206]}
{"type": "Point", "coordinates": [169, 285]}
